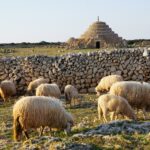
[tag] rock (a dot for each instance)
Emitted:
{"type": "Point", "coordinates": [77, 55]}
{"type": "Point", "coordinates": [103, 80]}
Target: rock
{"type": "Point", "coordinates": [83, 91]}
{"type": "Point", "coordinates": [112, 69]}
{"type": "Point", "coordinates": [91, 90]}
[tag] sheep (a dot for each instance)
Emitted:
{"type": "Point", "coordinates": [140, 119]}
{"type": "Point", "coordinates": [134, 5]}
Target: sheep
{"type": "Point", "coordinates": [136, 93]}
{"type": "Point", "coordinates": [48, 90]}
{"type": "Point", "coordinates": [106, 82]}
{"type": "Point", "coordinates": [116, 105]}
{"type": "Point", "coordinates": [7, 89]}
{"type": "Point", "coordinates": [71, 93]}
{"type": "Point", "coordinates": [34, 84]}
{"type": "Point", "coordinates": [39, 111]}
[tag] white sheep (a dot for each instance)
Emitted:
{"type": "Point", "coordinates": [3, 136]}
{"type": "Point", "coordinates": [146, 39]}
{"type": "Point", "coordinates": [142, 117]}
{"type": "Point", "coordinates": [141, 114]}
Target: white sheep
{"type": "Point", "coordinates": [35, 83]}
{"type": "Point", "coordinates": [106, 82]}
{"type": "Point", "coordinates": [116, 105]}
{"type": "Point", "coordinates": [7, 89]}
{"type": "Point", "coordinates": [136, 93]}
{"type": "Point", "coordinates": [48, 90]}
{"type": "Point", "coordinates": [39, 111]}
{"type": "Point", "coordinates": [71, 94]}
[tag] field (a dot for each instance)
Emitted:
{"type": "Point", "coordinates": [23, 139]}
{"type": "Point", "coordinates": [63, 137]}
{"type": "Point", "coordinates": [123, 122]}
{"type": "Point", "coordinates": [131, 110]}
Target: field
{"type": "Point", "coordinates": [88, 132]}
{"type": "Point", "coordinates": [44, 50]}
{"type": "Point", "coordinates": [85, 120]}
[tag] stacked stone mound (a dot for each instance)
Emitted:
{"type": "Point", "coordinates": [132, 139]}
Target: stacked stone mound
{"type": "Point", "coordinates": [84, 71]}
{"type": "Point", "coordinates": [98, 35]}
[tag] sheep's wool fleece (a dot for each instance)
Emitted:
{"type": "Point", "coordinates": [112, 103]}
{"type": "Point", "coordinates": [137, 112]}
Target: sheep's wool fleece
{"type": "Point", "coordinates": [35, 111]}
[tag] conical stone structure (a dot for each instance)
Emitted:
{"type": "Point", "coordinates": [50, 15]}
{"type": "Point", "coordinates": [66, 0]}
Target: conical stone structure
{"type": "Point", "coordinates": [98, 35]}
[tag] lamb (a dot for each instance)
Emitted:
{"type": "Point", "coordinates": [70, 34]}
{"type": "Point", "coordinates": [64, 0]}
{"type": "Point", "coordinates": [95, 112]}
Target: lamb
{"type": "Point", "coordinates": [71, 93]}
{"type": "Point", "coordinates": [7, 89]}
{"type": "Point", "coordinates": [106, 82]}
{"type": "Point", "coordinates": [116, 104]}
{"type": "Point", "coordinates": [136, 93]}
{"type": "Point", "coordinates": [48, 90]}
{"type": "Point", "coordinates": [35, 83]}
{"type": "Point", "coordinates": [39, 111]}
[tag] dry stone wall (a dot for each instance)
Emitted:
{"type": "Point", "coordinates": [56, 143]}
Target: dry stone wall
{"type": "Point", "coordinates": [82, 70]}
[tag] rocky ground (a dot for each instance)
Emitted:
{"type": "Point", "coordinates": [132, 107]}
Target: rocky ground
{"type": "Point", "coordinates": [88, 133]}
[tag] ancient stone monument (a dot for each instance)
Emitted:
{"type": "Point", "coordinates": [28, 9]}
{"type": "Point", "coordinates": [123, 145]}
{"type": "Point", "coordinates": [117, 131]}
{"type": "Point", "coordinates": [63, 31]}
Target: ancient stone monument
{"type": "Point", "coordinates": [98, 35]}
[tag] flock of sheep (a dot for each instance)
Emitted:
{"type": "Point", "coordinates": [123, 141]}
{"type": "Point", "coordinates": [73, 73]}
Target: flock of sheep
{"type": "Point", "coordinates": [122, 97]}
{"type": "Point", "coordinates": [46, 109]}
{"type": "Point", "coordinates": [43, 109]}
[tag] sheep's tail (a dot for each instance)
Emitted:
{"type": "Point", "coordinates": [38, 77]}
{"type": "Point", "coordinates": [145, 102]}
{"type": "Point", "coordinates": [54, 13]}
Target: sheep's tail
{"type": "Point", "coordinates": [17, 129]}
{"type": "Point", "coordinates": [100, 112]}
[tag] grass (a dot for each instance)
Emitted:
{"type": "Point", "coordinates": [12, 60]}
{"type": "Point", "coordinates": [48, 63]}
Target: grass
{"type": "Point", "coordinates": [85, 119]}
{"type": "Point", "coordinates": [48, 51]}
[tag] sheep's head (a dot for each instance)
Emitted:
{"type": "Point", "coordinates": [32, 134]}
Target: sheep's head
{"type": "Point", "coordinates": [69, 124]}
{"type": "Point", "coordinates": [68, 128]}
{"type": "Point", "coordinates": [132, 116]}
{"type": "Point", "coordinates": [29, 92]}
{"type": "Point", "coordinates": [99, 90]}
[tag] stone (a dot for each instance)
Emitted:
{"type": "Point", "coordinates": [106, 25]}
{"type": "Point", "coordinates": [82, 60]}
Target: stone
{"type": "Point", "coordinates": [91, 90]}
{"type": "Point", "coordinates": [112, 69]}
{"type": "Point", "coordinates": [83, 91]}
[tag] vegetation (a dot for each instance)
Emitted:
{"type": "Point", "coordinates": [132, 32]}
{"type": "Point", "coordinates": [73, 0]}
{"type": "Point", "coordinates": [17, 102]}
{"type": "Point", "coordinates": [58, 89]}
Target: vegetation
{"type": "Point", "coordinates": [85, 119]}
{"type": "Point", "coordinates": [48, 51]}
{"type": "Point", "coordinates": [138, 43]}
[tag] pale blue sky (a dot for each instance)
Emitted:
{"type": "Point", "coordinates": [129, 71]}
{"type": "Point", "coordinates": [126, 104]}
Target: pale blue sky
{"type": "Point", "coordinates": [57, 20]}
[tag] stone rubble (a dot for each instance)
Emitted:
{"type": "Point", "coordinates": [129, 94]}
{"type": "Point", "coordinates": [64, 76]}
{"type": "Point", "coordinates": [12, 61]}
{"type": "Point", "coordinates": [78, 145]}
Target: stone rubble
{"type": "Point", "coordinates": [117, 127]}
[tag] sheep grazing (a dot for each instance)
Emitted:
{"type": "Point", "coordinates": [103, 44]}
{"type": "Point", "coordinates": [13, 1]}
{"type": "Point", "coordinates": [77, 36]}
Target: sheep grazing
{"type": "Point", "coordinates": [34, 84]}
{"type": "Point", "coordinates": [7, 89]}
{"type": "Point", "coordinates": [106, 82]}
{"type": "Point", "coordinates": [39, 111]}
{"type": "Point", "coordinates": [48, 90]}
{"type": "Point", "coordinates": [116, 104]}
{"type": "Point", "coordinates": [136, 93]}
{"type": "Point", "coordinates": [71, 94]}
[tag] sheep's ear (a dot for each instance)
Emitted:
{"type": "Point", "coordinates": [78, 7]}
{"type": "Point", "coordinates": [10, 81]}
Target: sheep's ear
{"type": "Point", "coordinates": [68, 128]}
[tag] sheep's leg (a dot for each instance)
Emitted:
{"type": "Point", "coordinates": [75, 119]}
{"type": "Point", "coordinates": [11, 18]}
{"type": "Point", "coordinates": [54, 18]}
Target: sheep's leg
{"type": "Point", "coordinates": [112, 116]}
{"type": "Point", "coordinates": [116, 116]}
{"type": "Point", "coordinates": [136, 111]}
{"type": "Point", "coordinates": [41, 130]}
{"type": "Point", "coordinates": [26, 135]}
{"type": "Point", "coordinates": [105, 116]}
{"type": "Point", "coordinates": [70, 104]}
{"type": "Point", "coordinates": [4, 98]}
{"type": "Point", "coordinates": [99, 112]}
{"type": "Point", "coordinates": [145, 114]}
{"type": "Point", "coordinates": [73, 101]}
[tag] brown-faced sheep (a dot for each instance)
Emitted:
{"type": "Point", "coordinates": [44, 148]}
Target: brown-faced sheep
{"type": "Point", "coordinates": [137, 94]}
{"type": "Point", "coordinates": [34, 84]}
{"type": "Point", "coordinates": [106, 82]}
{"type": "Point", "coordinates": [71, 94]}
{"type": "Point", "coordinates": [39, 111]}
{"type": "Point", "coordinates": [116, 104]}
{"type": "Point", "coordinates": [7, 89]}
{"type": "Point", "coordinates": [51, 90]}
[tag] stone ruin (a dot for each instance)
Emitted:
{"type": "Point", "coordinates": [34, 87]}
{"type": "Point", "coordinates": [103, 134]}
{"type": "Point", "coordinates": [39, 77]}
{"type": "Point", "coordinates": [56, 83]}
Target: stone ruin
{"type": "Point", "coordinates": [98, 35]}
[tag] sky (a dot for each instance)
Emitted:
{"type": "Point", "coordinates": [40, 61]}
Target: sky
{"type": "Point", "coordinates": [58, 20]}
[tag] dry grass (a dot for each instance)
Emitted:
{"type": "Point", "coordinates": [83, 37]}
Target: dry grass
{"type": "Point", "coordinates": [85, 119]}
{"type": "Point", "coordinates": [41, 51]}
